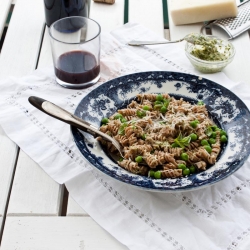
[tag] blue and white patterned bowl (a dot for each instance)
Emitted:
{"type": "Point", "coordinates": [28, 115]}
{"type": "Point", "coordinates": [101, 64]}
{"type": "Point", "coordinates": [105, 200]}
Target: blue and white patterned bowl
{"type": "Point", "coordinates": [225, 108]}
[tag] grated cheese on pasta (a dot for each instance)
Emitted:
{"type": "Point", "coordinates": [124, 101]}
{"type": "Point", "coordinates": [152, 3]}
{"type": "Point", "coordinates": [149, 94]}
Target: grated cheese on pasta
{"type": "Point", "coordinates": [158, 134]}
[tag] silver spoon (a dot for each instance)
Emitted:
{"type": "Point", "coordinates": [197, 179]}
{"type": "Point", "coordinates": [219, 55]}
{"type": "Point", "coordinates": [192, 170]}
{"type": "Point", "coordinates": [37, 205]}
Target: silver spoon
{"type": "Point", "coordinates": [67, 117]}
{"type": "Point", "coordinates": [191, 38]}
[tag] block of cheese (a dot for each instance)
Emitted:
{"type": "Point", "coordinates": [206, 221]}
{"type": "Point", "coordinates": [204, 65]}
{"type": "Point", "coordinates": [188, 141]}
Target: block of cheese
{"type": "Point", "coordinates": [194, 11]}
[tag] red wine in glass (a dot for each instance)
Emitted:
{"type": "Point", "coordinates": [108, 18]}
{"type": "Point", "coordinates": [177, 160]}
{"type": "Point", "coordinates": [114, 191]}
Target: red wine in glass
{"type": "Point", "coordinates": [77, 67]}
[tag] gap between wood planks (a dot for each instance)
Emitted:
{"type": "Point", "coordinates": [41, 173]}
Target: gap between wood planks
{"type": "Point", "coordinates": [8, 18]}
{"type": "Point", "coordinates": [8, 198]}
{"type": "Point", "coordinates": [18, 150]}
{"type": "Point", "coordinates": [40, 46]}
{"type": "Point", "coordinates": [64, 205]}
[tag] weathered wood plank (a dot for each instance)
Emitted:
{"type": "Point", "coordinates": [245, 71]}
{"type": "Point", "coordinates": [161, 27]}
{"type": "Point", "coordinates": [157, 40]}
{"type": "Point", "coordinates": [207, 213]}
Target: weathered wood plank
{"type": "Point", "coordinates": [74, 209]}
{"type": "Point", "coordinates": [32, 189]}
{"type": "Point", "coordinates": [167, 34]}
{"type": "Point", "coordinates": [148, 13]}
{"type": "Point", "coordinates": [22, 40]}
{"type": "Point", "coordinates": [108, 16]}
{"type": "Point", "coordinates": [52, 233]}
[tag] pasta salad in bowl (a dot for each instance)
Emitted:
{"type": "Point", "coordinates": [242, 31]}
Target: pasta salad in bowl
{"type": "Point", "coordinates": [163, 137]}
{"type": "Point", "coordinates": [178, 131]}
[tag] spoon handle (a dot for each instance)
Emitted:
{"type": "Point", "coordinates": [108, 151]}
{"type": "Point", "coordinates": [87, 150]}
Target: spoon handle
{"type": "Point", "coordinates": [139, 43]}
{"type": "Point", "coordinates": [63, 115]}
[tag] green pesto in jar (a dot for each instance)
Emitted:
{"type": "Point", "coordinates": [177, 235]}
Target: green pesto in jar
{"type": "Point", "coordinates": [206, 69]}
{"type": "Point", "coordinates": [210, 49]}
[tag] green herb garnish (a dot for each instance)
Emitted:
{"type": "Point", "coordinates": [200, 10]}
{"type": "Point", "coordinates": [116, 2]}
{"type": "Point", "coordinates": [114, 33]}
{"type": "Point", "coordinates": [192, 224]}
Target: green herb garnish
{"type": "Point", "coordinates": [121, 130]}
{"type": "Point", "coordinates": [182, 141]}
{"type": "Point", "coordinates": [209, 131]}
{"type": "Point", "coordinates": [141, 113]}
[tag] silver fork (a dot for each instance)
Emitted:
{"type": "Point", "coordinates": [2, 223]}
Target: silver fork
{"type": "Point", "coordinates": [191, 38]}
{"type": "Point", "coordinates": [63, 115]}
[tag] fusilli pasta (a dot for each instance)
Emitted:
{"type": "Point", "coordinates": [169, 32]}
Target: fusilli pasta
{"type": "Point", "coordinates": [164, 137]}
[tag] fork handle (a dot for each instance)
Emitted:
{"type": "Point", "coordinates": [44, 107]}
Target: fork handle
{"type": "Point", "coordinates": [139, 43]}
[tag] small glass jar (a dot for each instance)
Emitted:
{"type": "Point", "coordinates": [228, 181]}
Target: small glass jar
{"type": "Point", "coordinates": [205, 66]}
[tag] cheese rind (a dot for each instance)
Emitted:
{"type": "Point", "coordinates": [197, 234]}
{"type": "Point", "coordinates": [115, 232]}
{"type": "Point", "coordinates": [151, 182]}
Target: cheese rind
{"type": "Point", "coordinates": [194, 11]}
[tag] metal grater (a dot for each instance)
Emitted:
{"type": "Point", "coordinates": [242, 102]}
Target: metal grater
{"type": "Point", "coordinates": [234, 26]}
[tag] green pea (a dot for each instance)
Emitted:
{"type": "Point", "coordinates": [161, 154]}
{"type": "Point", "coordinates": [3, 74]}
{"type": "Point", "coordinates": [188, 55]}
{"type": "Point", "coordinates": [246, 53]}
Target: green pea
{"type": "Point", "coordinates": [143, 137]}
{"type": "Point", "coordinates": [166, 102]}
{"type": "Point", "coordinates": [214, 127]}
{"type": "Point", "coordinates": [123, 119]}
{"type": "Point", "coordinates": [157, 102]}
{"type": "Point", "coordinates": [138, 159]}
{"type": "Point", "coordinates": [192, 169]}
{"type": "Point", "coordinates": [141, 113]}
{"type": "Point", "coordinates": [163, 109]}
{"type": "Point", "coordinates": [138, 113]}
{"type": "Point", "coordinates": [213, 135]}
{"type": "Point", "coordinates": [157, 175]}
{"type": "Point", "coordinates": [186, 171]}
{"type": "Point", "coordinates": [174, 145]}
{"type": "Point", "coordinates": [204, 142]}
{"type": "Point", "coordinates": [223, 138]}
{"type": "Point", "coordinates": [193, 137]}
{"type": "Point", "coordinates": [223, 132]}
{"type": "Point", "coordinates": [152, 173]}
{"type": "Point", "coordinates": [105, 120]}
{"type": "Point", "coordinates": [118, 116]}
{"type": "Point", "coordinates": [194, 123]}
{"type": "Point", "coordinates": [217, 129]}
{"type": "Point", "coordinates": [200, 103]}
{"type": "Point", "coordinates": [158, 106]}
{"type": "Point", "coordinates": [146, 107]}
{"type": "Point", "coordinates": [181, 166]}
{"type": "Point", "coordinates": [212, 141]}
{"type": "Point", "coordinates": [184, 156]}
{"type": "Point", "coordinates": [159, 97]}
{"type": "Point", "coordinates": [121, 159]}
{"type": "Point", "coordinates": [208, 148]}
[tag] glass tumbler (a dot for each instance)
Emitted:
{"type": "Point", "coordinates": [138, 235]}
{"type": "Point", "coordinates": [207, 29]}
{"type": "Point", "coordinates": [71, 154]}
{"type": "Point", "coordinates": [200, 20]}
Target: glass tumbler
{"type": "Point", "coordinates": [75, 45]}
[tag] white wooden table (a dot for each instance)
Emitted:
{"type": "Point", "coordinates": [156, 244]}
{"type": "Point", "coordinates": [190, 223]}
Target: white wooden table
{"type": "Point", "coordinates": [35, 211]}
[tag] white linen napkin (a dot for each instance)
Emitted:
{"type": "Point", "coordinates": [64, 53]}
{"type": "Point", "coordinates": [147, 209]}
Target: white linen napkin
{"type": "Point", "coordinates": [216, 217]}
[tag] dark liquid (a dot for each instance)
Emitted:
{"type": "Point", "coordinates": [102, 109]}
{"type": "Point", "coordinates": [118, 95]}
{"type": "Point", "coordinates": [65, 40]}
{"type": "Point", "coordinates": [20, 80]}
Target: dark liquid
{"type": "Point", "coordinates": [57, 9]}
{"type": "Point", "coordinates": [77, 67]}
